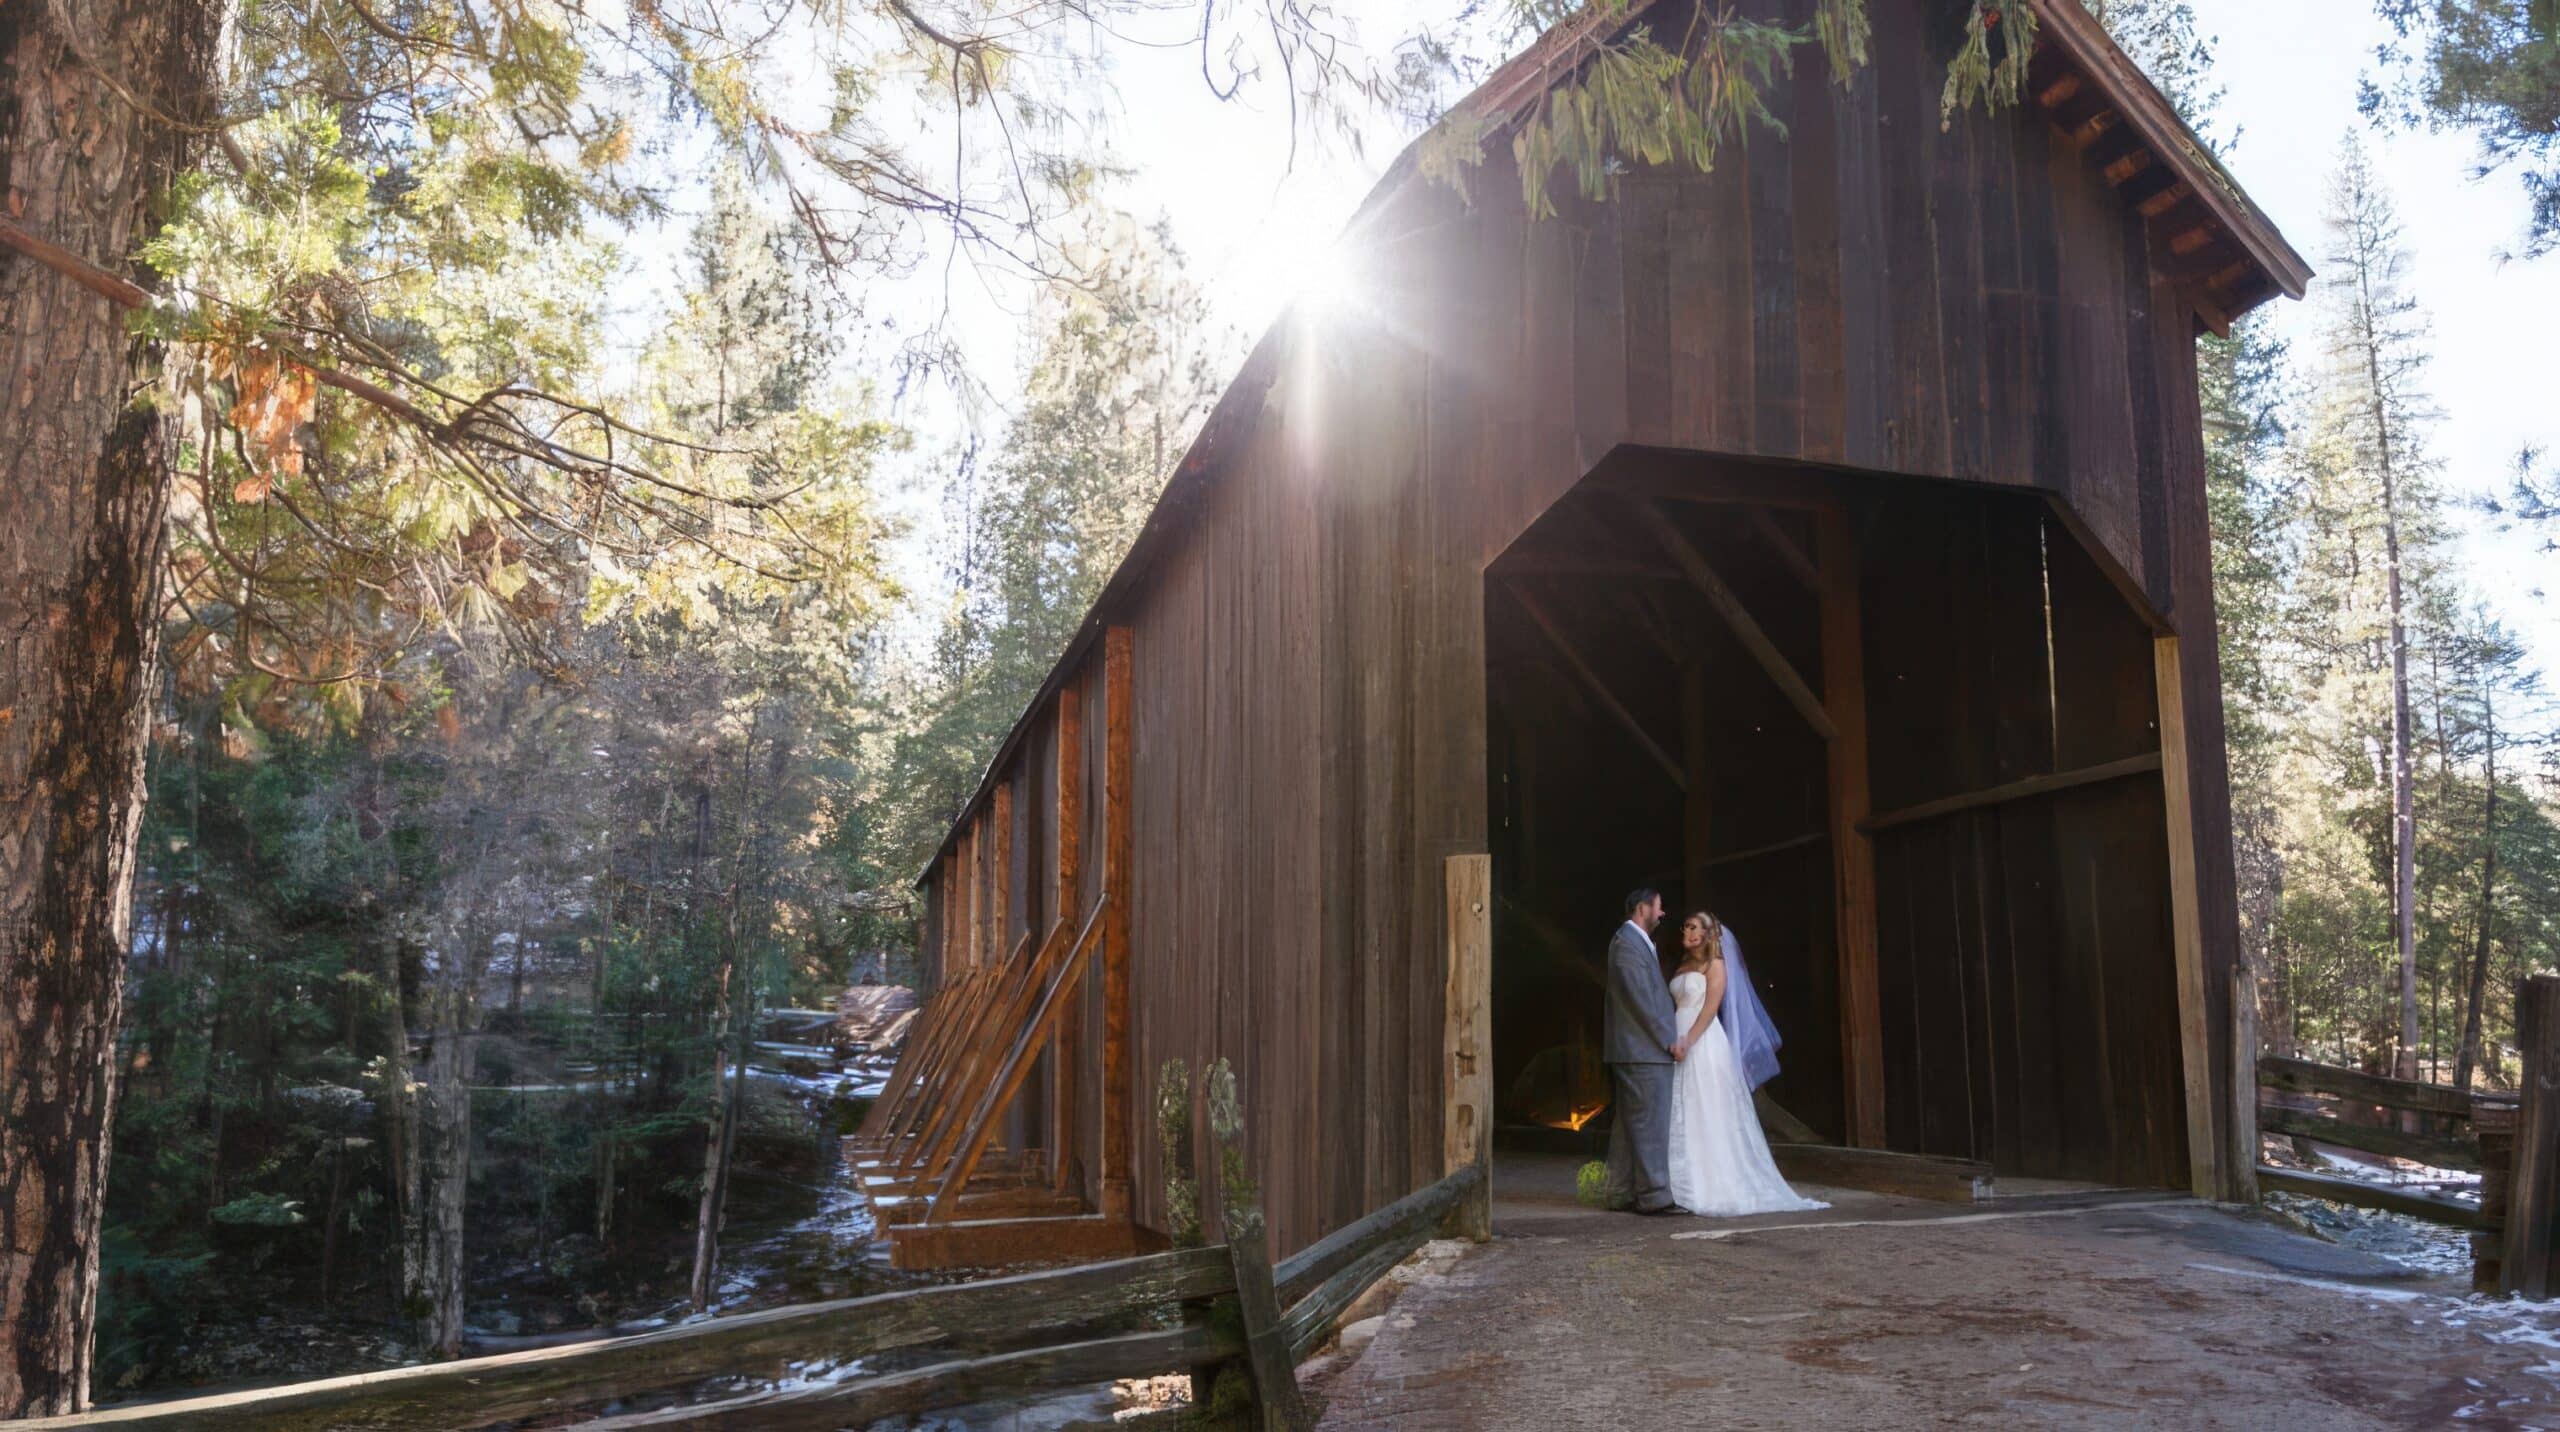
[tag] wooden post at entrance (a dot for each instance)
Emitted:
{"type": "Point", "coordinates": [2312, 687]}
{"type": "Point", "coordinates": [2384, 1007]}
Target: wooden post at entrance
{"type": "Point", "coordinates": [2533, 1189]}
{"type": "Point", "coordinates": [1853, 856]}
{"type": "Point", "coordinates": [1468, 1099]}
{"type": "Point", "coordinates": [2205, 1161]}
{"type": "Point", "coordinates": [1118, 1090]}
{"type": "Point", "coordinates": [1065, 1052]}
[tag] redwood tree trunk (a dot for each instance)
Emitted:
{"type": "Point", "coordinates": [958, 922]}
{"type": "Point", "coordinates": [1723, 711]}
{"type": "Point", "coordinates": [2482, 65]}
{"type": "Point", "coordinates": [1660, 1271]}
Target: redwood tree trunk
{"type": "Point", "coordinates": [84, 458]}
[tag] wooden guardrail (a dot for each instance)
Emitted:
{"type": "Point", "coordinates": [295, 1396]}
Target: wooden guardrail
{"type": "Point", "coordinates": [2511, 1140]}
{"type": "Point", "coordinates": [2450, 1142]}
{"type": "Point", "coordinates": [944, 1346]}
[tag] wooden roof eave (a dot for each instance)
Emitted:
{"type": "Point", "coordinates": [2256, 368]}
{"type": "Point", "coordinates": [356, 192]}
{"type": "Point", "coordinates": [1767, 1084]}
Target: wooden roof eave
{"type": "Point", "coordinates": [2081, 41]}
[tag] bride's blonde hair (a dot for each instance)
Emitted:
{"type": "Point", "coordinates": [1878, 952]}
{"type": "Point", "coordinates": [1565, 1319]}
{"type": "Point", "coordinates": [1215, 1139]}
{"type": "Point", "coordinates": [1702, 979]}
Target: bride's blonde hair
{"type": "Point", "coordinates": [1712, 948]}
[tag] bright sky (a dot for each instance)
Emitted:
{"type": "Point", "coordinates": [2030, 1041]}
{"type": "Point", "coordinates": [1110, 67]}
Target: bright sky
{"type": "Point", "coordinates": [1253, 224]}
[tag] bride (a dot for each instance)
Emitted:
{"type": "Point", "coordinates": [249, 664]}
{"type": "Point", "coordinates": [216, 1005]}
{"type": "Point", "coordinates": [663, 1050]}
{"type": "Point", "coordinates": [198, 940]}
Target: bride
{"type": "Point", "coordinates": [1720, 1163]}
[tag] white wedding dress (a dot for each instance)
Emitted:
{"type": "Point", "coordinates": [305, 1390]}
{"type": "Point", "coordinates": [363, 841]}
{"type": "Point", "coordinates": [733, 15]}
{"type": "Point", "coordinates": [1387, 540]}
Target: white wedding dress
{"type": "Point", "coordinates": [1720, 1164]}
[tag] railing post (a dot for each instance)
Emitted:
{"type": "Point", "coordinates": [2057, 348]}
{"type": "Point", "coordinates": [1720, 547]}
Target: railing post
{"type": "Point", "coordinates": [2244, 1083]}
{"type": "Point", "coordinates": [1277, 1406]}
{"type": "Point", "coordinates": [1468, 1098]}
{"type": "Point", "coordinates": [2526, 1266]}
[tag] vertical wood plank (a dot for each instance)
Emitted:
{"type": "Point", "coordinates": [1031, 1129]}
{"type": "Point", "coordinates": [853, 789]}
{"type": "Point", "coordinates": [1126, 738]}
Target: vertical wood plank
{"type": "Point", "coordinates": [1853, 860]}
{"type": "Point", "coordinates": [1065, 1059]}
{"type": "Point", "coordinates": [1118, 1090]}
{"type": "Point", "coordinates": [1468, 1096]}
{"type": "Point", "coordinates": [2533, 1193]}
{"type": "Point", "coordinates": [1000, 871]}
{"type": "Point", "coordinates": [2204, 1158]}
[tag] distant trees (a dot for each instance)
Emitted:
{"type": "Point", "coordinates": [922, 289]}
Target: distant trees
{"type": "Point", "coordinates": [2492, 67]}
{"type": "Point", "coordinates": [2388, 807]}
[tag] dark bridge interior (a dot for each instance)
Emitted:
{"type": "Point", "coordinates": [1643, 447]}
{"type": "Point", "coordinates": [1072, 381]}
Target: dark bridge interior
{"type": "Point", "coordinates": [1640, 732]}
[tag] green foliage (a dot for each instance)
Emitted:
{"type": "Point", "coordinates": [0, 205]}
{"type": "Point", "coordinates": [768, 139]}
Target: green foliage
{"type": "Point", "coordinates": [1990, 66]}
{"type": "Point", "coordinates": [1239, 1197]}
{"type": "Point", "coordinates": [261, 1210]}
{"type": "Point", "coordinates": [2492, 67]}
{"type": "Point", "coordinates": [1182, 1218]}
{"type": "Point", "coordinates": [1637, 97]}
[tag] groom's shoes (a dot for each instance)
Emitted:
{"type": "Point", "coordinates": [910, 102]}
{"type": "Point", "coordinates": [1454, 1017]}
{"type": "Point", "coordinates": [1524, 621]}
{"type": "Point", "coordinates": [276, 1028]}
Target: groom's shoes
{"type": "Point", "coordinates": [1659, 1212]}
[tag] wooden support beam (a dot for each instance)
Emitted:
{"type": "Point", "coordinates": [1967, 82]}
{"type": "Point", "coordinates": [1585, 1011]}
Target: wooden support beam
{"type": "Point", "coordinates": [2156, 204]}
{"type": "Point", "coordinates": [2125, 167]}
{"type": "Point", "coordinates": [1794, 558]}
{"type": "Point", "coordinates": [968, 892]}
{"type": "Point", "coordinates": [1005, 1242]}
{"type": "Point", "coordinates": [969, 998]}
{"type": "Point", "coordinates": [2205, 1164]}
{"type": "Point", "coordinates": [946, 891]}
{"type": "Point", "coordinates": [1000, 877]}
{"type": "Point", "coordinates": [1590, 679]}
{"type": "Point", "coordinates": [1065, 1061]}
{"type": "Point", "coordinates": [913, 1061]}
{"type": "Point", "coordinates": [973, 1063]}
{"type": "Point", "coordinates": [982, 1203]}
{"type": "Point", "coordinates": [2019, 790]}
{"type": "Point", "coordinates": [1014, 996]}
{"type": "Point", "coordinates": [1053, 975]}
{"type": "Point", "coordinates": [1853, 855]}
{"type": "Point", "coordinates": [1467, 1097]}
{"type": "Point", "coordinates": [1119, 1089]}
{"type": "Point", "coordinates": [1693, 564]}
{"type": "Point", "coordinates": [954, 1005]}
{"type": "Point", "coordinates": [1811, 837]}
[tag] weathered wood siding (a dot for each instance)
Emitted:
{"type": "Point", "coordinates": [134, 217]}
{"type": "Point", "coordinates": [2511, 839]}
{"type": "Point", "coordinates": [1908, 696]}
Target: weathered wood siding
{"type": "Point", "coordinates": [1871, 293]}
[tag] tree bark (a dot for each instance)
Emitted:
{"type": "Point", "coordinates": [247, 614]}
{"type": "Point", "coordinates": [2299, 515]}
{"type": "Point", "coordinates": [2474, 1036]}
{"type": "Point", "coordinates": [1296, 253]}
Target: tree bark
{"type": "Point", "coordinates": [442, 1152]}
{"type": "Point", "coordinates": [729, 1054]}
{"type": "Point", "coordinates": [84, 458]}
{"type": "Point", "coordinates": [2468, 1059]}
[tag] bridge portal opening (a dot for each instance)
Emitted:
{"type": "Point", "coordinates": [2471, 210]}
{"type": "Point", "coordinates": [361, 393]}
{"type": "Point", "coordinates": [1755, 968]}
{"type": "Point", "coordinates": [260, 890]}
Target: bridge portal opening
{"type": "Point", "coordinates": [1662, 710]}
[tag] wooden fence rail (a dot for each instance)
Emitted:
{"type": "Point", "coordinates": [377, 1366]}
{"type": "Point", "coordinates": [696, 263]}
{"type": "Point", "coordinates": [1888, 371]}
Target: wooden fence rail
{"type": "Point", "coordinates": [965, 1343]}
{"type": "Point", "coordinates": [2452, 1144]}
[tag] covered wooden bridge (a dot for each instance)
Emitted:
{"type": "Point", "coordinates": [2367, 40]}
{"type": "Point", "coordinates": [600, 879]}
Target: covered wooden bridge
{"type": "Point", "coordinates": [1822, 538]}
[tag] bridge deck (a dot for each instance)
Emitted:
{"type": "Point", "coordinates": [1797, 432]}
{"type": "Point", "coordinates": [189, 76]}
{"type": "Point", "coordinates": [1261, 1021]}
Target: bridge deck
{"type": "Point", "coordinates": [2049, 1309]}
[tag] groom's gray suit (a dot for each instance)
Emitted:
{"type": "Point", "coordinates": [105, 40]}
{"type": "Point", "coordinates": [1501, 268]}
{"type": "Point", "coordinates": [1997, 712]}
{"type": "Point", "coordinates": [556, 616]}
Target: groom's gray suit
{"type": "Point", "coordinates": [1636, 1038]}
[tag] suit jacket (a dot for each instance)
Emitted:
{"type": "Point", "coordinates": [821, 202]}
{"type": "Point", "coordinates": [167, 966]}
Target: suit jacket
{"type": "Point", "coordinates": [1637, 1028]}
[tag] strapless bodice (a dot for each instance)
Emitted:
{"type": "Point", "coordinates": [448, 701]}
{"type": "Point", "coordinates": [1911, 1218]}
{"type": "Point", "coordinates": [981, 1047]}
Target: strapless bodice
{"type": "Point", "coordinates": [1688, 994]}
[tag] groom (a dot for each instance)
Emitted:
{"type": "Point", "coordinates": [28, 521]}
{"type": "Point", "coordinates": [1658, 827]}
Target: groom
{"type": "Point", "coordinates": [1638, 1043]}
